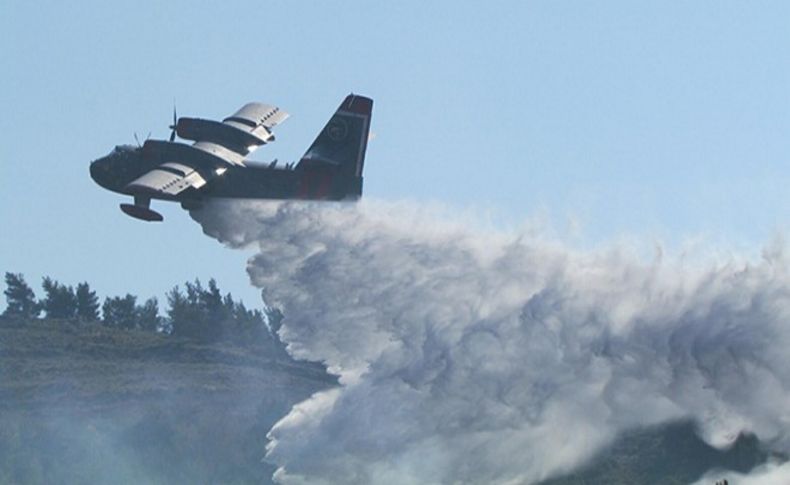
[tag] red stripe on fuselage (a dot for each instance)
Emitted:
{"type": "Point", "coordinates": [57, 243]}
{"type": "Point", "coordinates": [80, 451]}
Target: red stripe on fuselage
{"type": "Point", "coordinates": [324, 186]}
{"type": "Point", "coordinates": [315, 184]}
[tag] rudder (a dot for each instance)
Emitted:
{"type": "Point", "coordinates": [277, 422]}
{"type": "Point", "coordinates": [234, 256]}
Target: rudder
{"type": "Point", "coordinates": [343, 142]}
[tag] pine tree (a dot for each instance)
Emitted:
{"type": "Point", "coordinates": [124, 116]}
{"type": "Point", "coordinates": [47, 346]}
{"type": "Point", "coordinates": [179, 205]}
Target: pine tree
{"type": "Point", "coordinates": [148, 315]}
{"type": "Point", "coordinates": [87, 303]}
{"type": "Point", "coordinates": [59, 300]}
{"type": "Point", "coordinates": [199, 313]}
{"type": "Point", "coordinates": [211, 300]}
{"type": "Point", "coordinates": [20, 297]}
{"type": "Point", "coordinates": [218, 319]}
{"type": "Point", "coordinates": [177, 310]}
{"type": "Point", "coordinates": [187, 311]}
{"type": "Point", "coordinates": [181, 312]}
{"type": "Point", "coordinates": [120, 312]}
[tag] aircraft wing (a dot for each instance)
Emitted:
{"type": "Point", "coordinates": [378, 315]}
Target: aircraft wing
{"type": "Point", "coordinates": [236, 136]}
{"type": "Point", "coordinates": [216, 146]}
{"type": "Point", "coordinates": [168, 179]}
{"type": "Point", "coordinates": [258, 114]}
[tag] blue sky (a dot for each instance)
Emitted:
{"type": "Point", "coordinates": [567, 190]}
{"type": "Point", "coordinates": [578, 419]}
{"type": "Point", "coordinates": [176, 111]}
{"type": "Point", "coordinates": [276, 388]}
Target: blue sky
{"type": "Point", "coordinates": [663, 120]}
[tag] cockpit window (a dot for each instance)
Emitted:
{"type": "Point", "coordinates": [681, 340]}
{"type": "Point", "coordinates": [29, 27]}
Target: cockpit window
{"type": "Point", "coordinates": [123, 148]}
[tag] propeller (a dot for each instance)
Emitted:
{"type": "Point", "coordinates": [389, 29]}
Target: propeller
{"type": "Point", "coordinates": [175, 122]}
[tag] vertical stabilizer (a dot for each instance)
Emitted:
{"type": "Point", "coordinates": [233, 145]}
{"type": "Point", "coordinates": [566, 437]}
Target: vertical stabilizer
{"type": "Point", "coordinates": [342, 143]}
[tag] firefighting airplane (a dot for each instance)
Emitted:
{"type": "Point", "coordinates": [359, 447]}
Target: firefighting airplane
{"type": "Point", "coordinates": [215, 164]}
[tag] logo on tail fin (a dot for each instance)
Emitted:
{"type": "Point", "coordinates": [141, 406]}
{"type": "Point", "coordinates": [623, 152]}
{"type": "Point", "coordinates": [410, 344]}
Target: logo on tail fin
{"type": "Point", "coordinates": [337, 129]}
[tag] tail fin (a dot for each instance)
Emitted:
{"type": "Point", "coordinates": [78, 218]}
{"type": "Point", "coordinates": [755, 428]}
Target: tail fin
{"type": "Point", "coordinates": [342, 143]}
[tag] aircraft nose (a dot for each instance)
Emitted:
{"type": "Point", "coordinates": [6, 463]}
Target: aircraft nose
{"type": "Point", "coordinates": [98, 170]}
{"type": "Point", "coordinates": [94, 168]}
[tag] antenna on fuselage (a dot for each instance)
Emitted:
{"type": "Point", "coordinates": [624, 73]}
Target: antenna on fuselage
{"type": "Point", "coordinates": [137, 140]}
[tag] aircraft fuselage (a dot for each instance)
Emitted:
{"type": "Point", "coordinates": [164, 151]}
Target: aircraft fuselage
{"type": "Point", "coordinates": [115, 171]}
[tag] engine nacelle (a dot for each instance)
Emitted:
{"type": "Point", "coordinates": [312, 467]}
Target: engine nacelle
{"type": "Point", "coordinates": [225, 134]}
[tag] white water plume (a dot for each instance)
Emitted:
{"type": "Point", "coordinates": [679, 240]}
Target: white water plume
{"type": "Point", "coordinates": [480, 356]}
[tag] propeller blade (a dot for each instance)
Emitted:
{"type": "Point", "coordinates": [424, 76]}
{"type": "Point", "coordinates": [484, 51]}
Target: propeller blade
{"type": "Point", "coordinates": [175, 123]}
{"type": "Point", "coordinates": [136, 139]}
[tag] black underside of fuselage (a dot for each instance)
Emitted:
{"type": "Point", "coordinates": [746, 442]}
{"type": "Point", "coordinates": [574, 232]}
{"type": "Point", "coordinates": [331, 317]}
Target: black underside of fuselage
{"type": "Point", "coordinates": [260, 182]}
{"type": "Point", "coordinates": [315, 183]}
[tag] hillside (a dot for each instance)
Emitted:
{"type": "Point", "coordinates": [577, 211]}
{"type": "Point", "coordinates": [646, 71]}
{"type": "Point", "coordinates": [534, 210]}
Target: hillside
{"type": "Point", "coordinates": [670, 455]}
{"type": "Point", "coordinates": [84, 403]}
{"type": "Point", "coordinates": [90, 404]}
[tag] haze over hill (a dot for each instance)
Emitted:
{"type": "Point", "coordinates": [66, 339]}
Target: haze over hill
{"type": "Point", "coordinates": [89, 404]}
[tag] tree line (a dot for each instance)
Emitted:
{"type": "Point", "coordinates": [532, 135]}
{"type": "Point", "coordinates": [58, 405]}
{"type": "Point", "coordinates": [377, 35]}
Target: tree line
{"type": "Point", "coordinates": [197, 312]}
